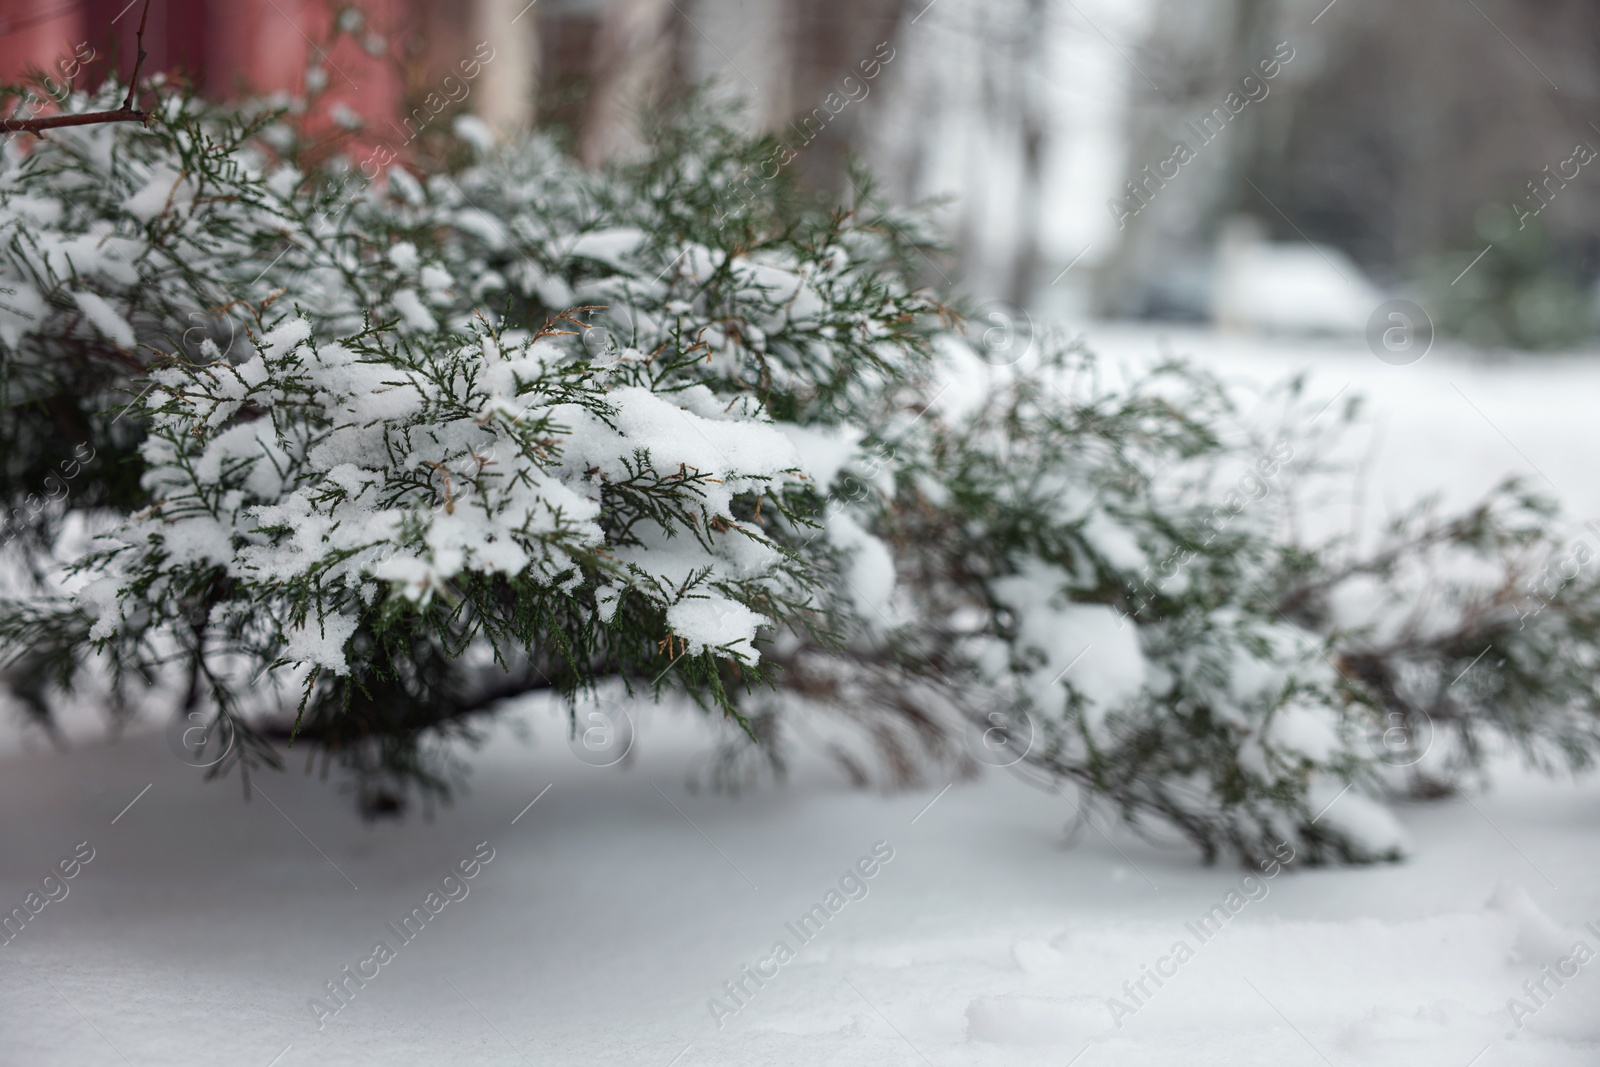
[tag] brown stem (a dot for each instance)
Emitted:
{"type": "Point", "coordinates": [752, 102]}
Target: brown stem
{"type": "Point", "coordinates": [87, 118]}
{"type": "Point", "coordinates": [133, 82]}
{"type": "Point", "coordinates": [125, 113]}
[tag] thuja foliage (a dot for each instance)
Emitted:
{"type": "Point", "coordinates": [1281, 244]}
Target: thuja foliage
{"type": "Point", "coordinates": [1117, 567]}
{"type": "Point", "coordinates": [341, 463]}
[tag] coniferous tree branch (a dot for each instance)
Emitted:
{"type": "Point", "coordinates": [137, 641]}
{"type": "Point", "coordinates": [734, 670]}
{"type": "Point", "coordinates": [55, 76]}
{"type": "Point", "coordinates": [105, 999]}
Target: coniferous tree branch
{"type": "Point", "coordinates": [363, 460]}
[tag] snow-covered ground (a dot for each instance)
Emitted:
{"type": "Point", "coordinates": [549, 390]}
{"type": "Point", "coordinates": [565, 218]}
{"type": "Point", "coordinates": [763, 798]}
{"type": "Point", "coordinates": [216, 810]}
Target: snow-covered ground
{"type": "Point", "coordinates": [601, 921]}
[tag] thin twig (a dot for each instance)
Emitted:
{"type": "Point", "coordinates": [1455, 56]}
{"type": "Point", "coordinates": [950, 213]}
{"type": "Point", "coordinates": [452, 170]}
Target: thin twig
{"type": "Point", "coordinates": [88, 118]}
{"type": "Point", "coordinates": [133, 82]}
{"type": "Point", "coordinates": [125, 113]}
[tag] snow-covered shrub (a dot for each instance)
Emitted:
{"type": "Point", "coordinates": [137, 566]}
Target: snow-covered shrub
{"type": "Point", "coordinates": [1124, 568]}
{"type": "Point", "coordinates": [519, 411]}
{"type": "Point", "coordinates": [396, 449]}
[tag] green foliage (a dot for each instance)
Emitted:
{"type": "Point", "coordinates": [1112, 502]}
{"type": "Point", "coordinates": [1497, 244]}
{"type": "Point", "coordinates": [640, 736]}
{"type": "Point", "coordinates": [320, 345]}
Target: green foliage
{"type": "Point", "coordinates": [1526, 293]}
{"type": "Point", "coordinates": [364, 458]}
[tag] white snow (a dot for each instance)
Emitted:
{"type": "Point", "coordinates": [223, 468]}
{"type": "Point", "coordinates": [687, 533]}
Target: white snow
{"type": "Point", "coordinates": [715, 622]}
{"type": "Point", "coordinates": [403, 254]}
{"type": "Point", "coordinates": [105, 318]}
{"type": "Point", "coordinates": [320, 642]}
{"type": "Point", "coordinates": [166, 190]}
{"type": "Point", "coordinates": [414, 312]}
{"type": "Point", "coordinates": [869, 575]}
{"type": "Point", "coordinates": [1087, 648]}
{"type": "Point", "coordinates": [475, 132]}
{"type": "Point", "coordinates": [824, 451]}
{"type": "Point", "coordinates": [611, 247]}
{"type": "Point", "coordinates": [607, 923]}
{"type": "Point", "coordinates": [1361, 819]}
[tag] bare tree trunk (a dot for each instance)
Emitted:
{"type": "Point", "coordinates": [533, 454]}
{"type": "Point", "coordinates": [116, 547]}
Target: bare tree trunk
{"type": "Point", "coordinates": [828, 41]}
{"type": "Point", "coordinates": [632, 57]}
{"type": "Point", "coordinates": [1029, 70]}
{"type": "Point", "coordinates": [507, 93]}
{"type": "Point", "coordinates": [1197, 72]}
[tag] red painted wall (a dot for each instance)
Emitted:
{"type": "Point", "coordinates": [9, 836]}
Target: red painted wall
{"type": "Point", "coordinates": [227, 47]}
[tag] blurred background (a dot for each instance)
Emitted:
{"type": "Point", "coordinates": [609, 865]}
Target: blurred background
{"type": "Point", "coordinates": [1268, 166]}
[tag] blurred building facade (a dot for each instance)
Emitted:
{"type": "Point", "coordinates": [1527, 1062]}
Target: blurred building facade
{"type": "Point", "coordinates": [1004, 109]}
{"type": "Point", "coordinates": [1044, 132]}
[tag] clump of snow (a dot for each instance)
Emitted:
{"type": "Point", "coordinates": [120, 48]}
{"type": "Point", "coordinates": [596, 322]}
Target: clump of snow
{"type": "Point", "coordinates": [716, 623]}
{"type": "Point", "coordinates": [105, 318]}
{"type": "Point", "coordinates": [166, 189]}
{"type": "Point", "coordinates": [321, 642]}
{"type": "Point", "coordinates": [414, 312]}
{"type": "Point", "coordinates": [1087, 648]}
{"type": "Point", "coordinates": [1370, 827]}
{"type": "Point", "coordinates": [824, 450]}
{"type": "Point", "coordinates": [869, 572]}
{"type": "Point", "coordinates": [403, 254]}
{"type": "Point", "coordinates": [1309, 728]}
{"type": "Point", "coordinates": [611, 247]}
{"type": "Point", "coordinates": [475, 132]}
